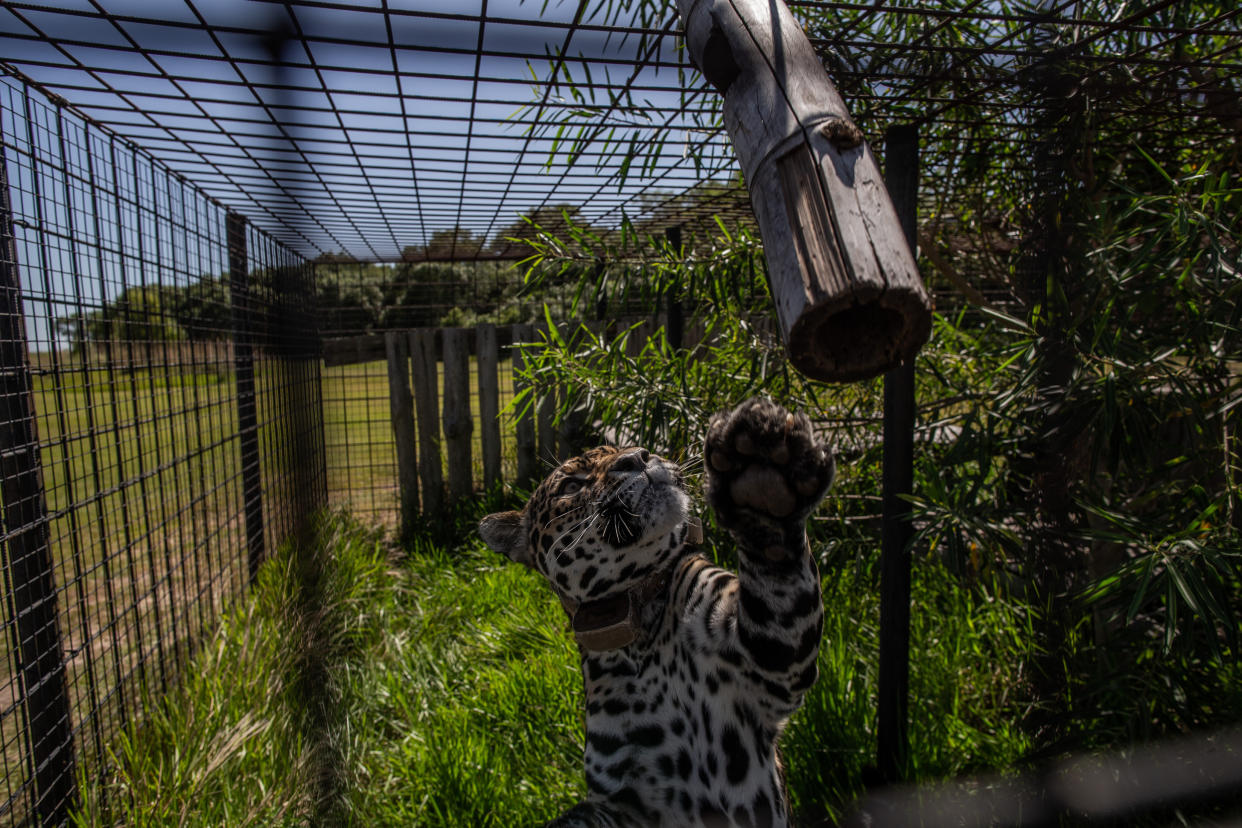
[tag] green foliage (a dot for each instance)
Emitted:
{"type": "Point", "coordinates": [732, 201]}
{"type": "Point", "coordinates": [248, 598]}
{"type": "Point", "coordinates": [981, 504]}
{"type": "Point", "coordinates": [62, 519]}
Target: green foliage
{"type": "Point", "coordinates": [1078, 427]}
{"type": "Point", "coordinates": [661, 396]}
{"type": "Point", "coordinates": [967, 689]}
{"type": "Point", "coordinates": [465, 708]}
{"type": "Point", "coordinates": [202, 309]}
{"type": "Point", "coordinates": [1156, 365]}
{"type": "Point", "coordinates": [351, 297]}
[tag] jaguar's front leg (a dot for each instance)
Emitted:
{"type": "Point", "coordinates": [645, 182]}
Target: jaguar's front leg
{"type": "Point", "coordinates": [765, 473]}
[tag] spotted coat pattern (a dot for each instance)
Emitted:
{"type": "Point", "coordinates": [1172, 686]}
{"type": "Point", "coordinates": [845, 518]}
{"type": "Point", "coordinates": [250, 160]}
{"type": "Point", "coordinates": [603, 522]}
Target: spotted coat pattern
{"type": "Point", "coordinates": [682, 723]}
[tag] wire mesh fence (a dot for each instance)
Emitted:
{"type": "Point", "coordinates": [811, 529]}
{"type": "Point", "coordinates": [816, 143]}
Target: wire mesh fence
{"type": "Point", "coordinates": [377, 129]}
{"type": "Point", "coordinates": [162, 431]}
{"type": "Point", "coordinates": [180, 396]}
{"type": "Point", "coordinates": [1190, 780]}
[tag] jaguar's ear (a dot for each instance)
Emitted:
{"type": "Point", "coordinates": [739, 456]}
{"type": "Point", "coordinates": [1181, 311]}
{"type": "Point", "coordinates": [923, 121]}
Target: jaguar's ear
{"type": "Point", "coordinates": [505, 533]}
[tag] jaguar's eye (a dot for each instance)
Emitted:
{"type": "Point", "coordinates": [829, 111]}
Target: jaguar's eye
{"type": "Point", "coordinates": [570, 485]}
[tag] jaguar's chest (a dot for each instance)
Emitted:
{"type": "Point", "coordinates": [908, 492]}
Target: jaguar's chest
{"type": "Point", "coordinates": [672, 732]}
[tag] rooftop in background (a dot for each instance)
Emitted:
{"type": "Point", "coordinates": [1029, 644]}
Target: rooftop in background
{"type": "Point", "coordinates": [369, 127]}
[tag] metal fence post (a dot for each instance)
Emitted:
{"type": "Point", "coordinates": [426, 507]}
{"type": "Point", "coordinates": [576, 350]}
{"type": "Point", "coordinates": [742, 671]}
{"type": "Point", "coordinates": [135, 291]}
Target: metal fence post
{"type": "Point", "coordinates": [30, 588]}
{"type": "Point", "coordinates": [247, 408]}
{"type": "Point", "coordinates": [675, 322]}
{"type": "Point", "coordinates": [901, 162]}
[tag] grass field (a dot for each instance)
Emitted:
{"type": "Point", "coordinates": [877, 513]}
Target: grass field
{"type": "Point", "coordinates": [438, 686]}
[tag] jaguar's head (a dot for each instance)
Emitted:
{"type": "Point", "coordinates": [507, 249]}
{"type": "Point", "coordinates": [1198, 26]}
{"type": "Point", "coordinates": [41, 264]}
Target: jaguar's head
{"type": "Point", "coordinates": [599, 524]}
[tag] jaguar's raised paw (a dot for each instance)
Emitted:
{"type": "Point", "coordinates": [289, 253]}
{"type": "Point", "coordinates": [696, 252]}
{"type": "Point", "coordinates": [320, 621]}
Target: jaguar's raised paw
{"type": "Point", "coordinates": [764, 464]}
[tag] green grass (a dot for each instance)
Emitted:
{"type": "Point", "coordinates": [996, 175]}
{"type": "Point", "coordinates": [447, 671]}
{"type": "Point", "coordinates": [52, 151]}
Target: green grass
{"type": "Point", "coordinates": [966, 688]}
{"type": "Point", "coordinates": [466, 709]}
{"type": "Point", "coordinates": [241, 740]}
{"type": "Point", "coordinates": [442, 689]}
{"type": "Point", "coordinates": [150, 449]}
{"type": "Point", "coordinates": [142, 479]}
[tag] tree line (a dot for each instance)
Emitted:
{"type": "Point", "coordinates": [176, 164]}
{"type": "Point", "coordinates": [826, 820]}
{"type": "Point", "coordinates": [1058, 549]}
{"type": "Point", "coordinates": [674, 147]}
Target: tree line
{"type": "Point", "coordinates": [455, 278]}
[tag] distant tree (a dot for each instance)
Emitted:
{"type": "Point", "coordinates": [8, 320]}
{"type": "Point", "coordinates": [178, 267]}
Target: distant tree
{"type": "Point", "coordinates": [143, 313]}
{"type": "Point", "coordinates": [203, 310]}
{"type": "Point", "coordinates": [453, 244]}
{"type": "Point", "coordinates": [331, 257]}
{"type": "Point", "coordinates": [350, 295]}
{"type": "Point", "coordinates": [419, 294]}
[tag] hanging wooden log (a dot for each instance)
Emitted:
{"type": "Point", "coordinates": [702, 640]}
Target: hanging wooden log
{"type": "Point", "coordinates": [848, 295]}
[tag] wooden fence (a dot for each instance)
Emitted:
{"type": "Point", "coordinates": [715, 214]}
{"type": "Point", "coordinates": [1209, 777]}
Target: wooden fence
{"type": "Point", "coordinates": [437, 400]}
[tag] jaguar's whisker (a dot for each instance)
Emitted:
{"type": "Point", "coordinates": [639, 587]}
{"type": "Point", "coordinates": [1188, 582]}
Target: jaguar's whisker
{"type": "Point", "coordinates": [570, 512]}
{"type": "Point", "coordinates": [623, 487]}
{"type": "Point", "coordinates": [563, 552]}
{"type": "Point", "coordinates": [550, 458]}
{"type": "Point", "coordinates": [588, 519]}
{"type": "Point", "coordinates": [585, 529]}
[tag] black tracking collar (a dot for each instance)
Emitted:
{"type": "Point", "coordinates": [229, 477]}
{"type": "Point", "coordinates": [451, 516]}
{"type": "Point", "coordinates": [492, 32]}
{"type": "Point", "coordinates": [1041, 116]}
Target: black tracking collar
{"type": "Point", "coordinates": [612, 622]}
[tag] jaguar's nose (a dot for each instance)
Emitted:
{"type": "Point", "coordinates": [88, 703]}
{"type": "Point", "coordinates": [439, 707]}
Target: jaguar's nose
{"type": "Point", "coordinates": [631, 460]}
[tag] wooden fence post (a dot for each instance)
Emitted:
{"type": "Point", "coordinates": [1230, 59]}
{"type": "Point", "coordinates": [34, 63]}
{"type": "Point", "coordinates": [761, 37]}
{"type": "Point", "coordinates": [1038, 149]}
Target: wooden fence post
{"type": "Point", "coordinates": [489, 402]}
{"type": "Point", "coordinates": [458, 424]}
{"type": "Point", "coordinates": [27, 553]}
{"type": "Point", "coordinates": [901, 151]}
{"type": "Point", "coordinates": [425, 373]}
{"type": "Point", "coordinates": [247, 403]}
{"type": "Point", "coordinates": [638, 338]}
{"type": "Point", "coordinates": [401, 412]}
{"type": "Point", "coordinates": [524, 427]}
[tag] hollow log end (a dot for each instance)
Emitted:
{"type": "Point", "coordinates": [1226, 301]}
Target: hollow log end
{"type": "Point", "coordinates": [859, 337]}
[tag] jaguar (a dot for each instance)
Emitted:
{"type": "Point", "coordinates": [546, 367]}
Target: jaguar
{"type": "Point", "coordinates": [690, 671]}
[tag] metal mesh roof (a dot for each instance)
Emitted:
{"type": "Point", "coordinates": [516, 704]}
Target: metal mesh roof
{"type": "Point", "coordinates": [369, 127]}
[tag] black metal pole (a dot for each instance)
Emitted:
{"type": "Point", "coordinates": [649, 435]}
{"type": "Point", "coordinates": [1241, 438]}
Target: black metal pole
{"type": "Point", "coordinates": [247, 407]}
{"type": "Point", "coordinates": [675, 327]}
{"type": "Point", "coordinates": [30, 588]}
{"type": "Point", "coordinates": [901, 153]}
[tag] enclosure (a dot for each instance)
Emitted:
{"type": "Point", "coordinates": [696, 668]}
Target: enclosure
{"type": "Point", "coordinates": [264, 261]}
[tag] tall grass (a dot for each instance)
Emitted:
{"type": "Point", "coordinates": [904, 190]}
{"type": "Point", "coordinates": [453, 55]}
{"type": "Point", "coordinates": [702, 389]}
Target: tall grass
{"type": "Point", "coordinates": [465, 708]}
{"type": "Point", "coordinates": [966, 688]}
{"type": "Point", "coordinates": [242, 739]}
{"type": "Point", "coordinates": [442, 689]}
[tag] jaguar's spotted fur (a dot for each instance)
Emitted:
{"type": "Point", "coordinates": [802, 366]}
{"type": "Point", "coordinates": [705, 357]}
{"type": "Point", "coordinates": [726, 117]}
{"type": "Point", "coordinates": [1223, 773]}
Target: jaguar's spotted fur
{"type": "Point", "coordinates": [682, 721]}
